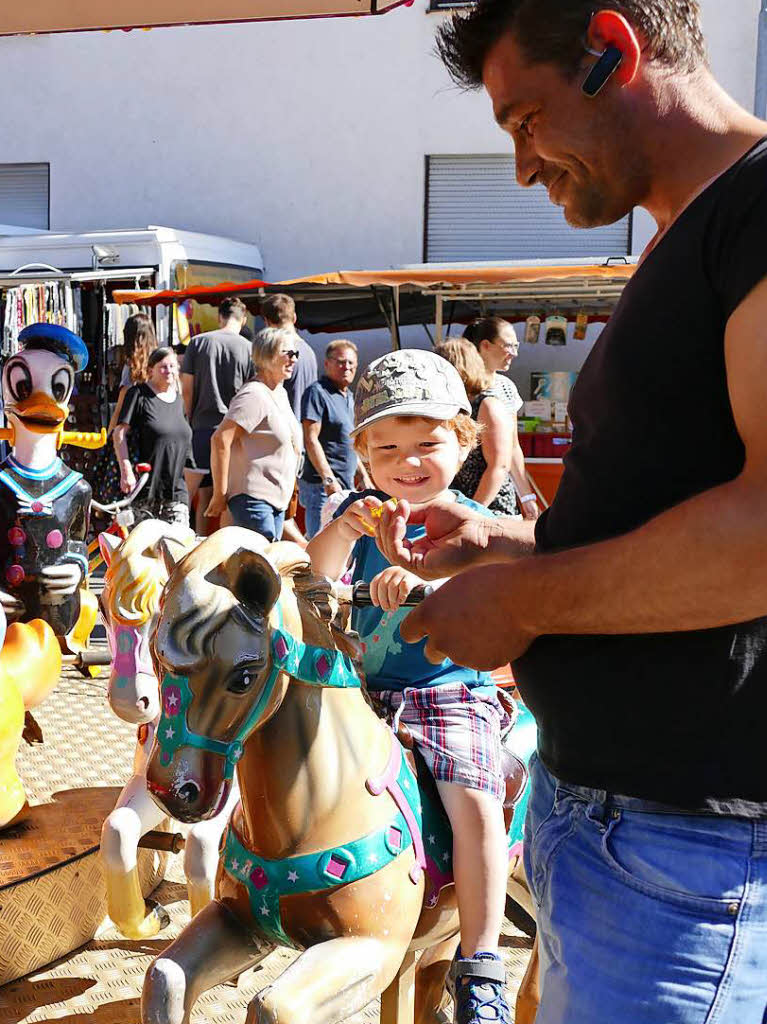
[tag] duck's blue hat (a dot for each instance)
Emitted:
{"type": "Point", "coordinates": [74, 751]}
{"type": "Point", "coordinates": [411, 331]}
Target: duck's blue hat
{"type": "Point", "coordinates": [54, 338]}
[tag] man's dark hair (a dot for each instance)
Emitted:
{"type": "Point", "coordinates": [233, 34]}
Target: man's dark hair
{"type": "Point", "coordinates": [553, 32]}
{"type": "Point", "coordinates": [233, 307]}
{"type": "Point", "coordinates": [278, 309]}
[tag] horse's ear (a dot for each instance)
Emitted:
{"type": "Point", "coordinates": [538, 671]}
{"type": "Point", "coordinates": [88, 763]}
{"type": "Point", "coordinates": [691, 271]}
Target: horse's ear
{"type": "Point", "coordinates": [253, 580]}
{"type": "Point", "coordinates": [172, 552]}
{"type": "Point", "coordinates": [108, 544]}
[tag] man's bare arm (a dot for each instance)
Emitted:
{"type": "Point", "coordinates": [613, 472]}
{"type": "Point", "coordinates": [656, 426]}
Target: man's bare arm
{"type": "Point", "coordinates": [187, 392]}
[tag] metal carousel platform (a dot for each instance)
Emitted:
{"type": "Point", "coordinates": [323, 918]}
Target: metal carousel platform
{"type": "Point", "coordinates": [54, 892]}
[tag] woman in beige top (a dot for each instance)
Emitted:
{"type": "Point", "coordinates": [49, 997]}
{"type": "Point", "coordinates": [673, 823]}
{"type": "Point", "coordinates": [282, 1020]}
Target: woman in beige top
{"type": "Point", "coordinates": [255, 450]}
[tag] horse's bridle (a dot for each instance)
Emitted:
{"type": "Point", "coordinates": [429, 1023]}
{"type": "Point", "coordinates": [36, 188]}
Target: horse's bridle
{"type": "Point", "coordinates": [316, 666]}
{"type": "Point", "coordinates": [126, 656]}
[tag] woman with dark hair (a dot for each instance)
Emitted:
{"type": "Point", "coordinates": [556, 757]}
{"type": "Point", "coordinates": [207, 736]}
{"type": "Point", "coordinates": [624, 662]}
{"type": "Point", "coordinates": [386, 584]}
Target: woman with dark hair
{"type": "Point", "coordinates": [485, 474]}
{"type": "Point", "coordinates": [497, 343]}
{"type": "Point", "coordinates": [255, 449]}
{"type": "Point", "coordinates": [153, 412]}
{"type": "Point", "coordinates": [140, 342]}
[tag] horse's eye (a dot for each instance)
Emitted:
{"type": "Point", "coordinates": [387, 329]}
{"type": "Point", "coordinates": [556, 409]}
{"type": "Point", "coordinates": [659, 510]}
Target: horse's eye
{"type": "Point", "coordinates": [242, 681]}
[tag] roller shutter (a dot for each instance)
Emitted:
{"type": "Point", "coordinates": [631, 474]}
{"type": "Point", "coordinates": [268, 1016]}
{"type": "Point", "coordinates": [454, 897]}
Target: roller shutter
{"type": "Point", "coordinates": [24, 195]}
{"type": "Point", "coordinates": [475, 210]}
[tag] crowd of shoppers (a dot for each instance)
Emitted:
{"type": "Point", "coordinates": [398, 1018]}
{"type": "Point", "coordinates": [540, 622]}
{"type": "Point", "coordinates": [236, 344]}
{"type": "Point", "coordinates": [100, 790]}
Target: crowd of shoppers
{"type": "Point", "coordinates": [249, 429]}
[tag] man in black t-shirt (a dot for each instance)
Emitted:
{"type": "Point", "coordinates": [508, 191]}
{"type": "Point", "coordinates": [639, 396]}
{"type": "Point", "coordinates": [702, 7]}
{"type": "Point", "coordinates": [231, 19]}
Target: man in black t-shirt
{"type": "Point", "coordinates": [638, 633]}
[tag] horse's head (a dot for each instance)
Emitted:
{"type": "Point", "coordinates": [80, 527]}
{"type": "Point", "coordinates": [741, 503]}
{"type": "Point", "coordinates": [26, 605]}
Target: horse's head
{"type": "Point", "coordinates": [218, 646]}
{"type": "Point", "coordinates": [130, 602]}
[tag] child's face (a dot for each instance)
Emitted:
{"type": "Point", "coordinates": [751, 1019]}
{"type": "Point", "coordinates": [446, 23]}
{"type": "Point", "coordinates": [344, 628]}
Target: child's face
{"type": "Point", "coordinates": [412, 457]}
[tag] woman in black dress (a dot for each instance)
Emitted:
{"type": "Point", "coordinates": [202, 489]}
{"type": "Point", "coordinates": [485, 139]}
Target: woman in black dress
{"type": "Point", "coordinates": [154, 410]}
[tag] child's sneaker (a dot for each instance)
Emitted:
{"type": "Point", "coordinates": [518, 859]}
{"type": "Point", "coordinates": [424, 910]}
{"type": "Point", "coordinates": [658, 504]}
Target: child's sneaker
{"type": "Point", "coordinates": [477, 987]}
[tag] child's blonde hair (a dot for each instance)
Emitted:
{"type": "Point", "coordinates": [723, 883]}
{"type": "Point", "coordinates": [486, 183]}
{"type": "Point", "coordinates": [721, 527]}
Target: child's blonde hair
{"type": "Point", "coordinates": [465, 428]}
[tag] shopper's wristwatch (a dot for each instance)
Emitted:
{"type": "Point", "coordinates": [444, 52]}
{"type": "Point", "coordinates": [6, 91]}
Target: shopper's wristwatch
{"type": "Point", "coordinates": [327, 480]}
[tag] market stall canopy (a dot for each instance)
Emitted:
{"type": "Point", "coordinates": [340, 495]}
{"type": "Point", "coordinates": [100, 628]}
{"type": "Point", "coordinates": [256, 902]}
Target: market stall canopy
{"type": "Point", "coordinates": [425, 294]}
{"type": "Point", "coordinates": [85, 15]}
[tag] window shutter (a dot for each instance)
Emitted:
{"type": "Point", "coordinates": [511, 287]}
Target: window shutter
{"type": "Point", "coordinates": [475, 210]}
{"type": "Point", "coordinates": [24, 190]}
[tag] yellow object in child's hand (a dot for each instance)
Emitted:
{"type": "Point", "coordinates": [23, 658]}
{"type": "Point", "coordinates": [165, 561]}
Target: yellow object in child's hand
{"type": "Point", "coordinates": [376, 513]}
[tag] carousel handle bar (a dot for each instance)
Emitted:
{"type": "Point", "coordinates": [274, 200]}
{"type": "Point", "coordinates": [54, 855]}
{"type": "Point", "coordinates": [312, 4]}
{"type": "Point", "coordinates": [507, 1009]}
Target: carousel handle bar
{"type": "Point", "coordinates": [143, 469]}
{"type": "Point", "coordinates": [358, 594]}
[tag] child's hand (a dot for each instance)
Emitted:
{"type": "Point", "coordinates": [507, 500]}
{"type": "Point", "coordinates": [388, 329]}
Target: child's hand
{"type": "Point", "coordinates": [390, 588]}
{"type": "Point", "coordinates": [362, 517]}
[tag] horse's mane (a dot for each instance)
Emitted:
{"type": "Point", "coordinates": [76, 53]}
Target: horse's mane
{"type": "Point", "coordinates": [137, 573]}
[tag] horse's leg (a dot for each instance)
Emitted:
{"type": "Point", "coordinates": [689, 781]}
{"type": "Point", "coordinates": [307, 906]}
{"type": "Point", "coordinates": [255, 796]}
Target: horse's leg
{"type": "Point", "coordinates": [431, 974]}
{"type": "Point", "coordinates": [135, 815]}
{"type": "Point", "coordinates": [329, 982]}
{"type": "Point", "coordinates": [398, 999]}
{"type": "Point", "coordinates": [201, 854]}
{"type": "Point", "coordinates": [213, 948]}
{"type": "Point", "coordinates": [529, 994]}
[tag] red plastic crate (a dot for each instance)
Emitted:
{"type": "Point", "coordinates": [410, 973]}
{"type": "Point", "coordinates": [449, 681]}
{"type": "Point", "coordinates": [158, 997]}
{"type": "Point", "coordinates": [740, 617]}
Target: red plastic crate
{"type": "Point", "coordinates": [526, 444]}
{"type": "Point", "coordinates": [551, 446]}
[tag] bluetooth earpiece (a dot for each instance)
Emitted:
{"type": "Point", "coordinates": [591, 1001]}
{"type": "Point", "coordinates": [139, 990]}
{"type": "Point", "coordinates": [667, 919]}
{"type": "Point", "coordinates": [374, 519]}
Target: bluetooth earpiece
{"type": "Point", "coordinates": [602, 71]}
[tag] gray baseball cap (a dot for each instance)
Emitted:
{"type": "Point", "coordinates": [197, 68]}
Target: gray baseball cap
{"type": "Point", "coordinates": [411, 382]}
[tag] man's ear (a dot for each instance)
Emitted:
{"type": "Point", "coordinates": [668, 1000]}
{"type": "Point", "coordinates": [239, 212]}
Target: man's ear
{"type": "Point", "coordinates": [609, 28]}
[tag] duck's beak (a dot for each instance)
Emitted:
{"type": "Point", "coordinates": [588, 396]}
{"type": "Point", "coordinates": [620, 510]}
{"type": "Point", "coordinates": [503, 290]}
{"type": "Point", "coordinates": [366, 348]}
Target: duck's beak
{"type": "Point", "coordinates": [39, 413]}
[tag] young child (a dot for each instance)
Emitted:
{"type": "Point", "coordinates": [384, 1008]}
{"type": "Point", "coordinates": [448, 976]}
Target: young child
{"type": "Point", "coordinates": [413, 430]}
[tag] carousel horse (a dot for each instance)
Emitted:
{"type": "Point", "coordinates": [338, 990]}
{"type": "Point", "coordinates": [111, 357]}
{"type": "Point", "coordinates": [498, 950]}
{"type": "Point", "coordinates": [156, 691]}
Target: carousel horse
{"type": "Point", "coordinates": [44, 505]}
{"type": "Point", "coordinates": [30, 666]}
{"type": "Point", "coordinates": [339, 847]}
{"type": "Point", "coordinates": [134, 580]}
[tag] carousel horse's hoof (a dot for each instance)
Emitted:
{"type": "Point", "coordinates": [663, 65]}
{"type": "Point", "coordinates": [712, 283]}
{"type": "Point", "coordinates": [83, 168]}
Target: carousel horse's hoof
{"type": "Point", "coordinates": [477, 987]}
{"type": "Point", "coordinates": [156, 919]}
{"type": "Point", "coordinates": [158, 913]}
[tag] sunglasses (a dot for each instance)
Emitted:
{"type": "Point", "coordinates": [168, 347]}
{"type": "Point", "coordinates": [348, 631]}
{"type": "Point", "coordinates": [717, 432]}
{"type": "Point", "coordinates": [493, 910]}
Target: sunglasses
{"type": "Point", "coordinates": [291, 353]}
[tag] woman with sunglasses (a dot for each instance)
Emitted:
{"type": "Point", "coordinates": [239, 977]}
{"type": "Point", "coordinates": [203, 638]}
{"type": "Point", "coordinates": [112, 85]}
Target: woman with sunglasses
{"type": "Point", "coordinates": [497, 343]}
{"type": "Point", "coordinates": [256, 448]}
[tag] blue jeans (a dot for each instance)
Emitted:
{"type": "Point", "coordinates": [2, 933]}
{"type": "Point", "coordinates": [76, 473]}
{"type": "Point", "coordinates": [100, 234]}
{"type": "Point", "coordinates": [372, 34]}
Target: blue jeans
{"type": "Point", "coordinates": [645, 917]}
{"type": "Point", "coordinates": [256, 514]}
{"type": "Point", "coordinates": [312, 498]}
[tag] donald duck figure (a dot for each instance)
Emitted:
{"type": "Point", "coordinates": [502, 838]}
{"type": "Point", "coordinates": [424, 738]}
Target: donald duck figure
{"type": "Point", "coordinates": [44, 505]}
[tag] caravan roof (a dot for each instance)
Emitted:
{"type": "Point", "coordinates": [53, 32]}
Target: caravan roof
{"type": "Point", "coordinates": [152, 246]}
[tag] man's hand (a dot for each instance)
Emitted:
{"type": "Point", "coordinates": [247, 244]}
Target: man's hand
{"type": "Point", "coordinates": [216, 506]}
{"type": "Point", "coordinates": [468, 620]}
{"type": "Point", "coordinates": [456, 538]}
{"type": "Point", "coordinates": [331, 486]}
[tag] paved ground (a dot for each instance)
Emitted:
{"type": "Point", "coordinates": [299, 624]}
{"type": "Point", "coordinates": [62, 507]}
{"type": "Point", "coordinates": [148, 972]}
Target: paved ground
{"type": "Point", "coordinates": [85, 745]}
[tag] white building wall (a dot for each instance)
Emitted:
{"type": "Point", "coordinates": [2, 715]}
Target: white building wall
{"type": "Point", "coordinates": [307, 138]}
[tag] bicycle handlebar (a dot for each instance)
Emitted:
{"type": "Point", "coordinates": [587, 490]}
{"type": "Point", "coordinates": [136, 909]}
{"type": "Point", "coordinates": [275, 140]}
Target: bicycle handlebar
{"type": "Point", "coordinates": [144, 469]}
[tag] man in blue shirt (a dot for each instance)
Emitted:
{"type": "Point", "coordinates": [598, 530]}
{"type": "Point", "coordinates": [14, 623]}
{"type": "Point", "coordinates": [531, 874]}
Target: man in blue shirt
{"type": "Point", "coordinates": [327, 415]}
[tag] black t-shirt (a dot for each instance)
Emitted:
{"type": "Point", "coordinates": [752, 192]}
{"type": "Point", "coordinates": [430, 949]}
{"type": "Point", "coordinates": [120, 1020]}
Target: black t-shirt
{"type": "Point", "coordinates": [677, 718]}
{"type": "Point", "coordinates": [164, 438]}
